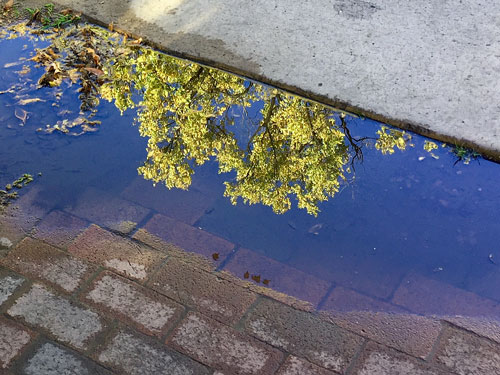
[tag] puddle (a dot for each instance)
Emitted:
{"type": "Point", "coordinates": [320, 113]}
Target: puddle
{"type": "Point", "coordinates": [340, 211]}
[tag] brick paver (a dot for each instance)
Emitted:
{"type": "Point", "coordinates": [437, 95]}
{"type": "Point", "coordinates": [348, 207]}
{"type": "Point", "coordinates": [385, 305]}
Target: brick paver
{"type": "Point", "coordinates": [8, 284]}
{"type": "Point", "coordinates": [131, 354]}
{"type": "Point", "coordinates": [377, 360]}
{"type": "Point", "coordinates": [13, 338]}
{"type": "Point", "coordinates": [146, 310]}
{"type": "Point", "coordinates": [299, 366]}
{"type": "Point", "coordinates": [382, 322]}
{"type": "Point", "coordinates": [223, 348]}
{"type": "Point", "coordinates": [185, 205]}
{"type": "Point", "coordinates": [426, 296]}
{"type": "Point", "coordinates": [303, 335]}
{"type": "Point", "coordinates": [108, 210]}
{"type": "Point", "coordinates": [52, 359]}
{"type": "Point", "coordinates": [281, 277]}
{"type": "Point", "coordinates": [465, 353]}
{"type": "Point", "coordinates": [214, 296]}
{"type": "Point", "coordinates": [66, 321]}
{"type": "Point", "coordinates": [59, 228]}
{"type": "Point", "coordinates": [188, 237]}
{"type": "Point", "coordinates": [39, 260]}
{"type": "Point", "coordinates": [115, 252]}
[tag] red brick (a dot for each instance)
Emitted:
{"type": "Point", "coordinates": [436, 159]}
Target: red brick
{"type": "Point", "coordinates": [376, 359]}
{"type": "Point", "coordinates": [299, 366]}
{"type": "Point", "coordinates": [204, 291]}
{"type": "Point", "coordinates": [223, 348]}
{"type": "Point", "coordinates": [303, 334]}
{"type": "Point", "coordinates": [283, 278]}
{"type": "Point", "coordinates": [108, 210]}
{"type": "Point", "coordinates": [466, 353]}
{"type": "Point", "coordinates": [115, 252]}
{"type": "Point", "coordinates": [183, 205]}
{"type": "Point", "coordinates": [13, 339]}
{"type": "Point", "coordinates": [41, 261]}
{"type": "Point", "coordinates": [187, 237]}
{"type": "Point", "coordinates": [483, 326]}
{"type": "Point", "coordinates": [345, 300]}
{"type": "Point", "coordinates": [426, 296]}
{"type": "Point", "coordinates": [142, 308]}
{"type": "Point", "coordinates": [59, 228]}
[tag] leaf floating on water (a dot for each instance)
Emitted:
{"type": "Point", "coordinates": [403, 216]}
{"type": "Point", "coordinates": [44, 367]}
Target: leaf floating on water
{"type": "Point", "coordinates": [97, 72]}
{"type": "Point", "coordinates": [29, 101]}
{"type": "Point", "coordinates": [21, 114]}
{"type": "Point", "coordinates": [315, 229]}
{"type": "Point", "coordinates": [256, 278]}
{"type": "Point", "coordinates": [215, 256]}
{"type": "Point", "coordinates": [246, 275]}
{"type": "Point", "coordinates": [266, 282]}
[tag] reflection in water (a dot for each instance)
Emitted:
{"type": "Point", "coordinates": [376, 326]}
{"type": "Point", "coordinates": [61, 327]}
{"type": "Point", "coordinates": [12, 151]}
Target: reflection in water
{"type": "Point", "coordinates": [411, 233]}
{"type": "Point", "coordinates": [292, 147]}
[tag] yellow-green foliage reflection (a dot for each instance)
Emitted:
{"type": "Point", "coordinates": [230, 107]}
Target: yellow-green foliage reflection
{"type": "Point", "coordinates": [294, 149]}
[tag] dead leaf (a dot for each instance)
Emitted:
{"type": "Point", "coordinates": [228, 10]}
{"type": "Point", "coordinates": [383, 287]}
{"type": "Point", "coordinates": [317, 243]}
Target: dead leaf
{"type": "Point", "coordinates": [97, 72]}
{"type": "Point", "coordinates": [256, 278]}
{"type": "Point", "coordinates": [111, 27]}
{"type": "Point", "coordinates": [8, 5]}
{"type": "Point", "coordinates": [29, 101]}
{"type": "Point", "coordinates": [246, 275]}
{"type": "Point", "coordinates": [266, 282]}
{"type": "Point", "coordinates": [21, 114]}
{"type": "Point", "coordinates": [215, 256]}
{"type": "Point", "coordinates": [66, 11]}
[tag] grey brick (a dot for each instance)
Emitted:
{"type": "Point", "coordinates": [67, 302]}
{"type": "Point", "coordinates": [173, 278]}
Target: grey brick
{"type": "Point", "coordinates": [67, 322]}
{"type": "Point", "coordinates": [303, 335]}
{"type": "Point", "coordinates": [8, 284]}
{"type": "Point", "coordinates": [52, 359]}
{"type": "Point", "coordinates": [134, 355]}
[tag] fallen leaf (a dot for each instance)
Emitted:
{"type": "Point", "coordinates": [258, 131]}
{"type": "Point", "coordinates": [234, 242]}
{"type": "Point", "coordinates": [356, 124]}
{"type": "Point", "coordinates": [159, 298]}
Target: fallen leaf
{"type": "Point", "coordinates": [266, 282]}
{"type": "Point", "coordinates": [246, 275]}
{"type": "Point", "coordinates": [8, 5]}
{"type": "Point", "coordinates": [256, 278]}
{"type": "Point", "coordinates": [111, 27]}
{"type": "Point", "coordinates": [66, 11]}
{"type": "Point", "coordinates": [97, 72]}
{"type": "Point", "coordinates": [215, 256]}
{"type": "Point", "coordinates": [29, 101]}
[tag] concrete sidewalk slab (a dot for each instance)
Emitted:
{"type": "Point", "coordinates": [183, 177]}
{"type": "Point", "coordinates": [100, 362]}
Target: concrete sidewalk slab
{"type": "Point", "coordinates": [430, 66]}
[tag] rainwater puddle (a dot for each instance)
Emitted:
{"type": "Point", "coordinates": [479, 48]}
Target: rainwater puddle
{"type": "Point", "coordinates": [340, 217]}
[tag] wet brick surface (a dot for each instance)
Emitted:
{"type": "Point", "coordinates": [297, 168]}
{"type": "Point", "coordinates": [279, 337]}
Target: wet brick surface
{"type": "Point", "coordinates": [127, 353]}
{"type": "Point", "coordinates": [223, 348]}
{"type": "Point", "coordinates": [13, 338]}
{"type": "Point", "coordinates": [281, 277]}
{"type": "Point", "coordinates": [465, 353]}
{"type": "Point", "coordinates": [187, 237]}
{"type": "Point", "coordinates": [204, 291]}
{"type": "Point", "coordinates": [60, 317]}
{"type": "Point", "coordinates": [303, 335]}
{"type": "Point", "coordinates": [8, 284]}
{"type": "Point", "coordinates": [147, 311]}
{"type": "Point", "coordinates": [59, 228]}
{"type": "Point", "coordinates": [299, 366]}
{"type": "Point", "coordinates": [122, 255]}
{"type": "Point", "coordinates": [44, 262]}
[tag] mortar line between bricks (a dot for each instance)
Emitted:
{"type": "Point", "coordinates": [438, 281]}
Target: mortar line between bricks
{"type": "Point", "coordinates": [144, 221]}
{"type": "Point", "coordinates": [228, 258]}
{"type": "Point", "coordinates": [431, 356]}
{"type": "Point", "coordinates": [239, 325]}
{"type": "Point", "coordinates": [355, 359]}
{"type": "Point", "coordinates": [17, 364]}
{"type": "Point", "coordinates": [84, 285]}
{"type": "Point", "coordinates": [323, 300]}
{"type": "Point", "coordinates": [169, 332]}
{"type": "Point", "coordinates": [20, 291]}
{"type": "Point", "coordinates": [391, 295]}
{"type": "Point", "coordinates": [147, 283]}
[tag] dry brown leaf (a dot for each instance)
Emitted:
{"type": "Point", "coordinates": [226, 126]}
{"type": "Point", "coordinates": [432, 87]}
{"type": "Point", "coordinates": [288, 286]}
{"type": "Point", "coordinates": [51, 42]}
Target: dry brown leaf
{"type": "Point", "coordinates": [66, 11]}
{"type": "Point", "coordinates": [111, 27]}
{"type": "Point", "coordinates": [8, 5]}
{"type": "Point", "coordinates": [97, 72]}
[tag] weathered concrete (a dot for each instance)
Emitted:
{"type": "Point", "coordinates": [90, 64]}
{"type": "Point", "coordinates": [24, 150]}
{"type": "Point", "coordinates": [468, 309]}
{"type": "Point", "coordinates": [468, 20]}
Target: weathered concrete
{"type": "Point", "coordinates": [431, 66]}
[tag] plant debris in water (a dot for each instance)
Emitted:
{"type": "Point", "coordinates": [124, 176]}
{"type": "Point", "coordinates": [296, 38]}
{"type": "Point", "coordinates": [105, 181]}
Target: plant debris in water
{"type": "Point", "coordinates": [9, 193]}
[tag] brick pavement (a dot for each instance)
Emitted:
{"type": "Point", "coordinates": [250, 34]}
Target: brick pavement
{"type": "Point", "coordinates": [76, 297]}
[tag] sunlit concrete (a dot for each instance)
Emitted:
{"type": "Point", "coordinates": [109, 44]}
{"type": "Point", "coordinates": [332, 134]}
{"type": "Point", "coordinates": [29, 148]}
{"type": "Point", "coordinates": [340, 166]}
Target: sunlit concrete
{"type": "Point", "coordinates": [431, 66]}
